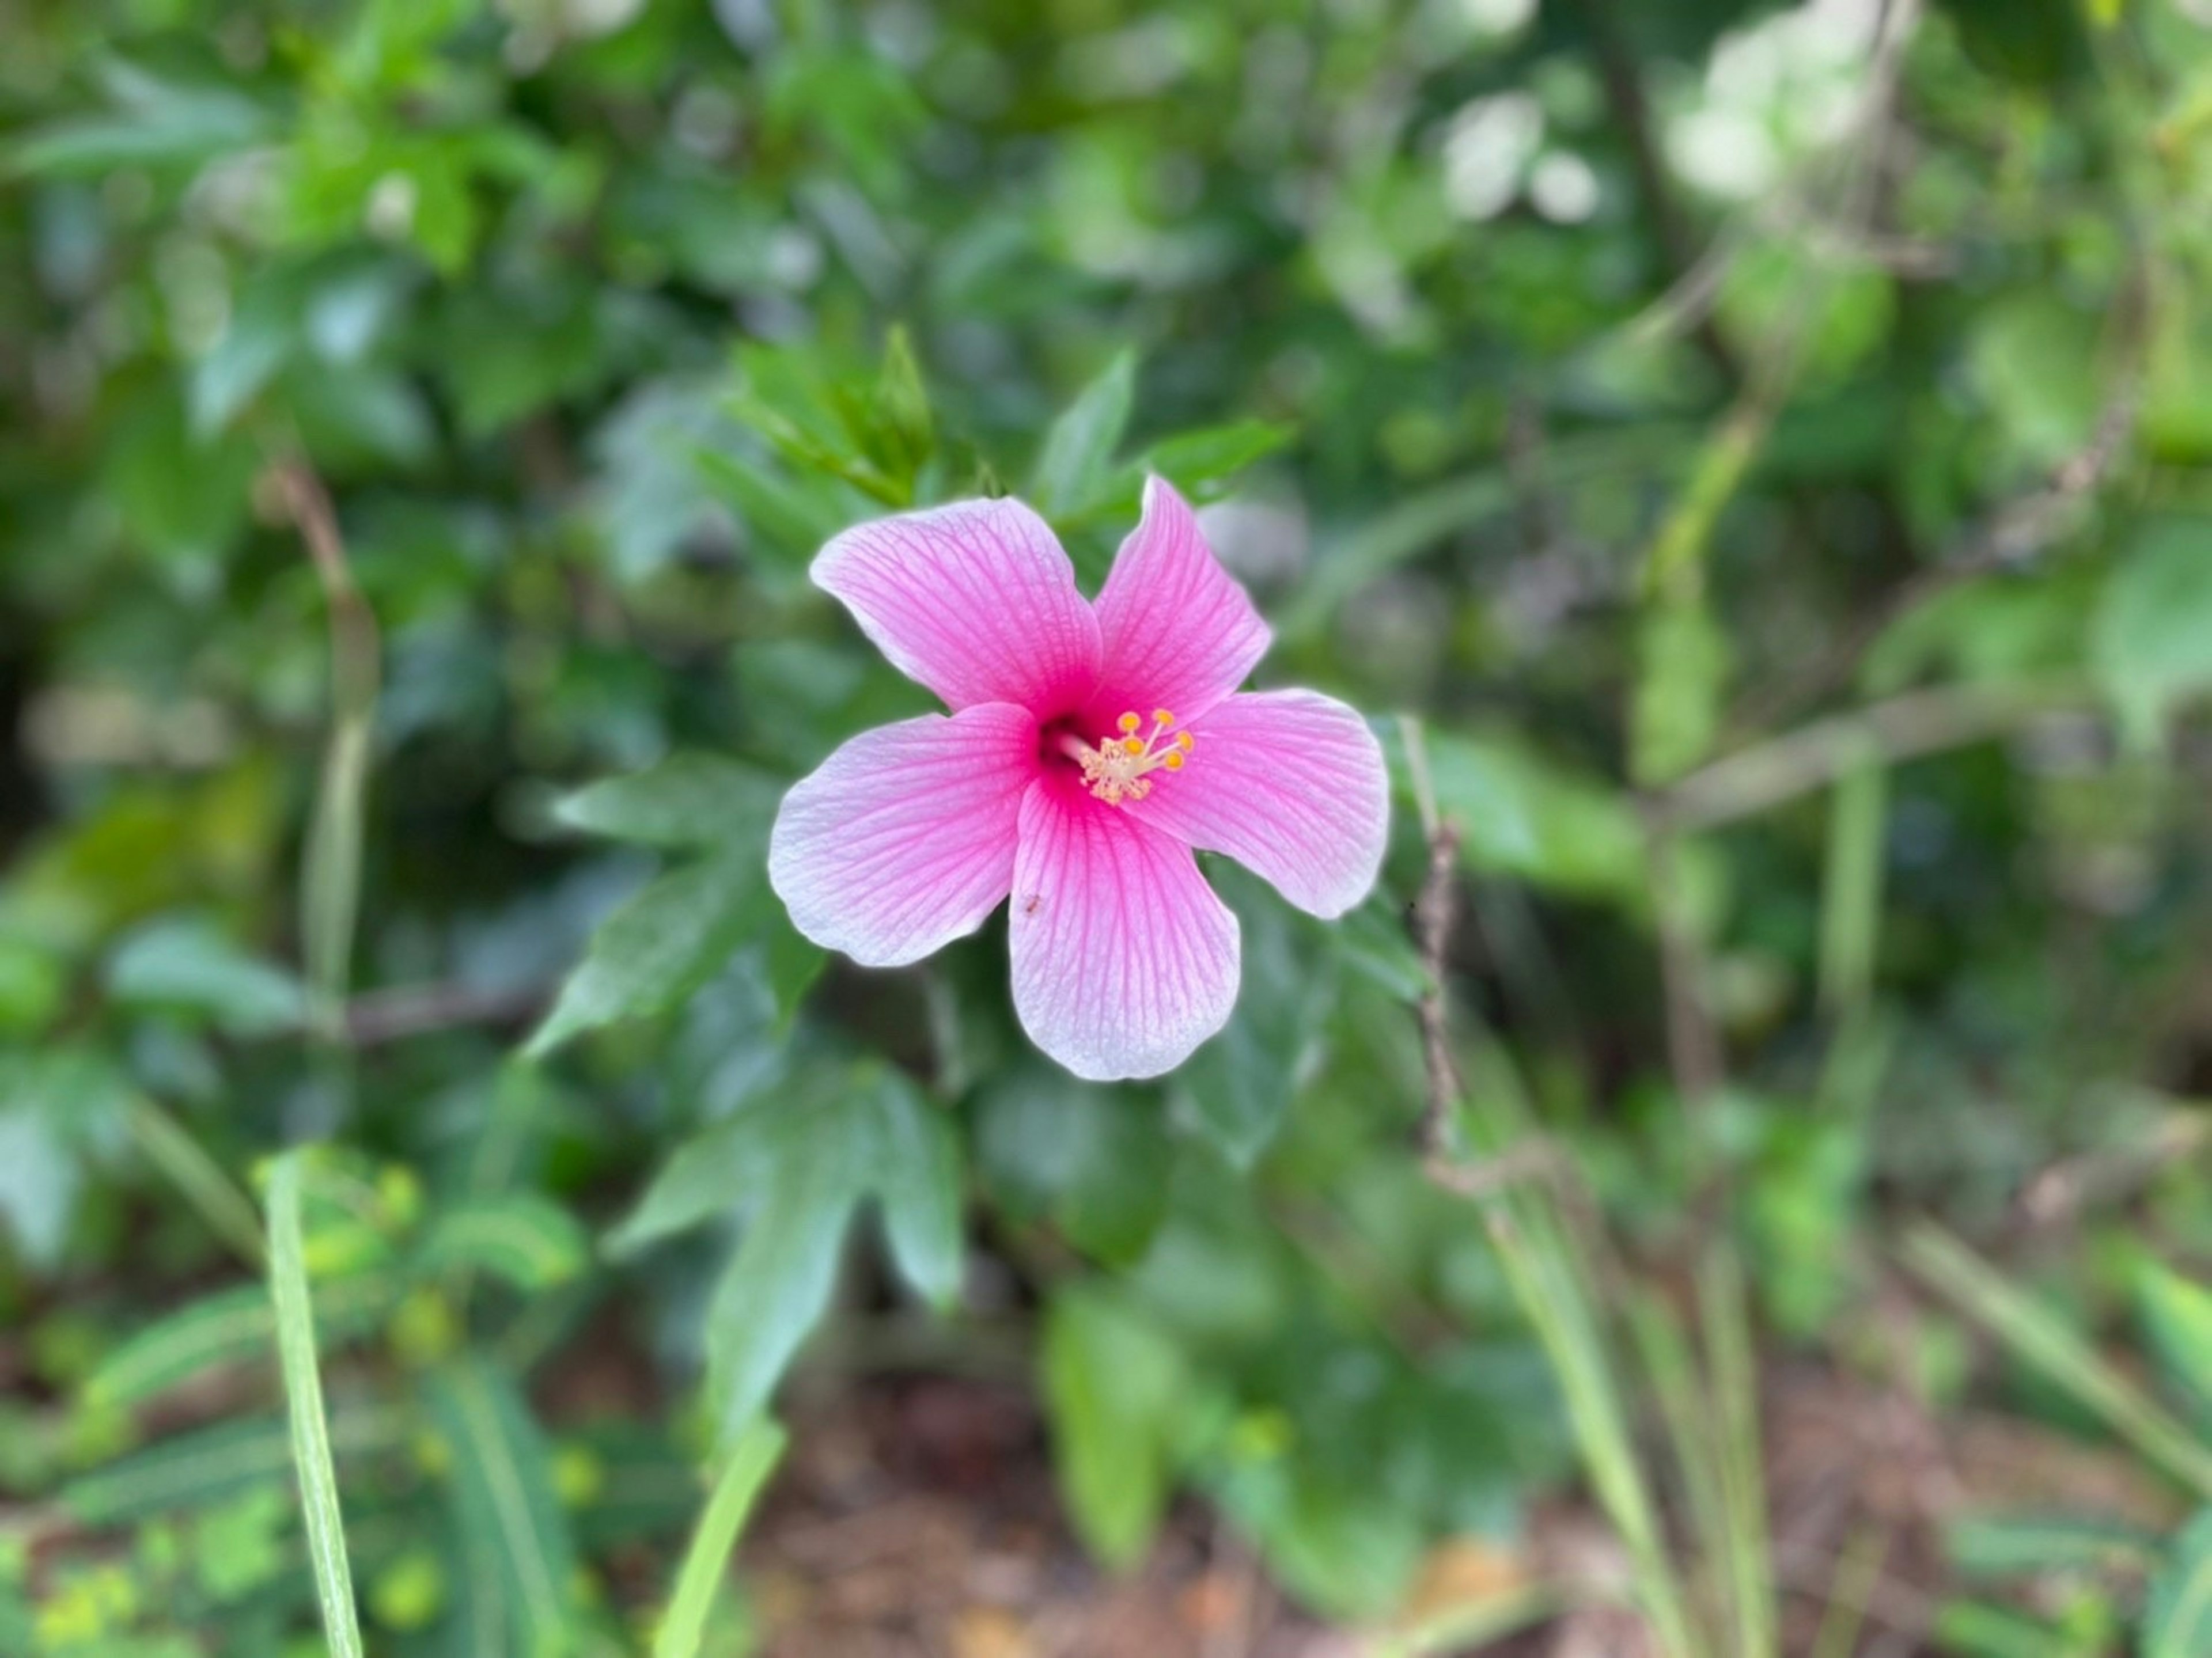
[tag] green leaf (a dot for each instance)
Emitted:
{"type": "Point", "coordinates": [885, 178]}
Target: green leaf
{"type": "Point", "coordinates": [2024, 1545]}
{"type": "Point", "coordinates": [57, 1107]}
{"type": "Point", "coordinates": [658, 947]}
{"type": "Point", "coordinates": [688, 800]}
{"type": "Point", "coordinates": [1193, 461]}
{"type": "Point", "coordinates": [188, 966]}
{"type": "Point", "coordinates": [1972, 1629]}
{"type": "Point", "coordinates": [2178, 1615]}
{"type": "Point", "coordinates": [901, 409]}
{"type": "Point", "coordinates": [516, 1536]}
{"type": "Point", "coordinates": [1682, 669]}
{"type": "Point", "coordinates": [1523, 814]}
{"type": "Point", "coordinates": [191, 1470]}
{"type": "Point", "coordinates": [745, 1470]}
{"type": "Point", "coordinates": [230, 1327]}
{"type": "Point", "coordinates": [1078, 449]}
{"type": "Point", "coordinates": [171, 124]}
{"type": "Point", "coordinates": [1093, 1158]}
{"type": "Point", "coordinates": [303, 1392]}
{"type": "Point", "coordinates": [1114, 1386]}
{"type": "Point", "coordinates": [914, 1167]}
{"type": "Point", "coordinates": [2150, 641]}
{"type": "Point", "coordinates": [228, 1212]}
{"type": "Point", "coordinates": [795, 1165]}
{"type": "Point", "coordinates": [735, 1162]}
{"type": "Point", "coordinates": [786, 520]}
{"type": "Point", "coordinates": [1237, 1089]}
{"type": "Point", "coordinates": [777, 1285]}
{"type": "Point", "coordinates": [525, 1240]}
{"type": "Point", "coordinates": [2177, 1313]}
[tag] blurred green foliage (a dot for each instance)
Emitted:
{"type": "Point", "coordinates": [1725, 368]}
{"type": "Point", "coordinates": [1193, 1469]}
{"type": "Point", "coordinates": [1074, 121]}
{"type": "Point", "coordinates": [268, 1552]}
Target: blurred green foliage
{"type": "Point", "coordinates": [1752, 463]}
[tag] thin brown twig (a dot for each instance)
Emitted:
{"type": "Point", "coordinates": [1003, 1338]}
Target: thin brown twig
{"type": "Point", "coordinates": [1757, 779]}
{"type": "Point", "coordinates": [377, 1016]}
{"type": "Point", "coordinates": [1624, 85]}
{"type": "Point", "coordinates": [1438, 908]}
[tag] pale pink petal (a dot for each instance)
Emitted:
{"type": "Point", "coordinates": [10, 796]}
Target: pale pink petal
{"type": "Point", "coordinates": [1177, 631]}
{"type": "Point", "coordinates": [1124, 960]}
{"type": "Point", "coordinates": [1291, 785]}
{"type": "Point", "coordinates": [903, 840]}
{"type": "Point", "coordinates": [976, 600]}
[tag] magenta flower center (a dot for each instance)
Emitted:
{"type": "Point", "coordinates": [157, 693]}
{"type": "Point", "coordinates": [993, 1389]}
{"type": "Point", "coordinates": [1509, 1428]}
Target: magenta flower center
{"type": "Point", "coordinates": [1119, 766]}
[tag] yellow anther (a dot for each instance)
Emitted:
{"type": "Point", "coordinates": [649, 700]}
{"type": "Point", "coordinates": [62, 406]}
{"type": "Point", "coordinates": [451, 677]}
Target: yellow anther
{"type": "Point", "coordinates": [1128, 722]}
{"type": "Point", "coordinates": [1174, 760]}
{"type": "Point", "coordinates": [1132, 745]}
{"type": "Point", "coordinates": [1161, 717]}
{"type": "Point", "coordinates": [1184, 740]}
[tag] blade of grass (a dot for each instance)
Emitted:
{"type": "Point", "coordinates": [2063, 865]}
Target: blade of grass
{"type": "Point", "coordinates": [1678, 1390]}
{"type": "Point", "coordinates": [303, 1392]}
{"type": "Point", "coordinates": [226, 1210]}
{"type": "Point", "coordinates": [1731, 1369]}
{"type": "Point", "coordinates": [2037, 1335]}
{"type": "Point", "coordinates": [1850, 898]}
{"type": "Point", "coordinates": [330, 874]}
{"type": "Point", "coordinates": [754, 1458]}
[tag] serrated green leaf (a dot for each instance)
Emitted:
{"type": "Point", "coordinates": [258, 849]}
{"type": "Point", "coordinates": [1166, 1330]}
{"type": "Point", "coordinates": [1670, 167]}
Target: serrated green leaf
{"type": "Point", "coordinates": [688, 800]}
{"type": "Point", "coordinates": [1078, 449]}
{"type": "Point", "coordinates": [914, 1170]}
{"type": "Point", "coordinates": [736, 1161]}
{"type": "Point", "coordinates": [1236, 1088]}
{"type": "Point", "coordinates": [1093, 1158]}
{"type": "Point", "coordinates": [1114, 1387]}
{"type": "Point", "coordinates": [658, 948]}
{"type": "Point", "coordinates": [777, 1285]}
{"type": "Point", "coordinates": [521, 1238]}
{"type": "Point", "coordinates": [501, 1480]}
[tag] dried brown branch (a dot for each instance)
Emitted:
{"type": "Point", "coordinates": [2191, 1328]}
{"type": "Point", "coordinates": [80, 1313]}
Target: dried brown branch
{"type": "Point", "coordinates": [1437, 910]}
{"type": "Point", "coordinates": [380, 1016]}
{"type": "Point", "coordinates": [1757, 779]}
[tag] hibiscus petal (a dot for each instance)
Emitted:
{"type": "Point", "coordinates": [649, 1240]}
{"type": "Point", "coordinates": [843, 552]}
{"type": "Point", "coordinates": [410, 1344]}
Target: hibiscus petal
{"type": "Point", "coordinates": [1177, 631]}
{"type": "Point", "coordinates": [903, 840]}
{"type": "Point", "coordinates": [976, 600]}
{"type": "Point", "coordinates": [1291, 785]}
{"type": "Point", "coordinates": [1124, 960]}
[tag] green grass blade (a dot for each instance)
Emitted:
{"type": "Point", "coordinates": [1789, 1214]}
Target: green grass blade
{"type": "Point", "coordinates": [756, 1453]}
{"type": "Point", "coordinates": [303, 1392]}
{"type": "Point", "coordinates": [228, 1211]}
{"type": "Point", "coordinates": [2039, 1337]}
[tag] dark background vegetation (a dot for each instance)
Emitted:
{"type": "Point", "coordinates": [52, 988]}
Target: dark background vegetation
{"type": "Point", "coordinates": [1739, 1188]}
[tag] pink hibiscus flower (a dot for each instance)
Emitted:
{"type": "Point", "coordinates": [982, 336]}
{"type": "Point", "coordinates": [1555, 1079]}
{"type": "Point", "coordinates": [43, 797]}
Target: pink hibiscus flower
{"type": "Point", "coordinates": [1089, 749]}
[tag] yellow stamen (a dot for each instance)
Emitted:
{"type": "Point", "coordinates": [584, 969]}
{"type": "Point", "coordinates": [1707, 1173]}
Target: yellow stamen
{"type": "Point", "coordinates": [1118, 768]}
